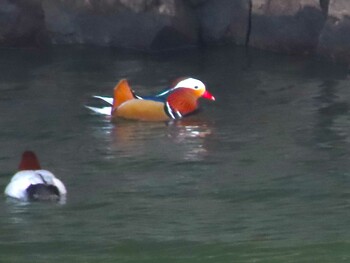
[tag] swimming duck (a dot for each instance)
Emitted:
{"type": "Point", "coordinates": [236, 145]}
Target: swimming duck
{"type": "Point", "coordinates": [173, 103]}
{"type": "Point", "coordinates": [31, 183]}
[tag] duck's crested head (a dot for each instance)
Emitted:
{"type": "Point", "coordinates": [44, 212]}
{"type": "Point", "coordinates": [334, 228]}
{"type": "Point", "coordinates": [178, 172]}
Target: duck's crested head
{"type": "Point", "coordinates": [29, 161]}
{"type": "Point", "coordinates": [197, 86]}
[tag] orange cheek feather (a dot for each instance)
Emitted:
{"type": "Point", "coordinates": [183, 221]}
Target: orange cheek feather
{"type": "Point", "coordinates": [145, 110]}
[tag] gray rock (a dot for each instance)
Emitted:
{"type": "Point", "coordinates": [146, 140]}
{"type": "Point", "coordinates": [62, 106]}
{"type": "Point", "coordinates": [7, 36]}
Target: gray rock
{"type": "Point", "coordinates": [21, 23]}
{"type": "Point", "coordinates": [334, 40]}
{"type": "Point", "coordinates": [136, 24]}
{"type": "Point", "coordinates": [224, 20]}
{"type": "Point", "coordinates": [8, 16]}
{"type": "Point", "coordinates": [196, 3]}
{"type": "Point", "coordinates": [287, 26]}
{"type": "Point", "coordinates": [296, 26]}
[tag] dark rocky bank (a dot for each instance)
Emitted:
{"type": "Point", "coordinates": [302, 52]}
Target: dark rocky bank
{"type": "Point", "coordinates": [293, 26]}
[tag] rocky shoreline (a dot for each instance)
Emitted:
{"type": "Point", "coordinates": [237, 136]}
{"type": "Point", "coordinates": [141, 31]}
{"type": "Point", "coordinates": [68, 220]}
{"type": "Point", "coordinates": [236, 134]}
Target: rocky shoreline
{"type": "Point", "coordinates": [295, 27]}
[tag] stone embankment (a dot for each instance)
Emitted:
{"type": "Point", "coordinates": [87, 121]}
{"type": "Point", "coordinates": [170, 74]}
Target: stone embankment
{"type": "Point", "coordinates": [293, 26]}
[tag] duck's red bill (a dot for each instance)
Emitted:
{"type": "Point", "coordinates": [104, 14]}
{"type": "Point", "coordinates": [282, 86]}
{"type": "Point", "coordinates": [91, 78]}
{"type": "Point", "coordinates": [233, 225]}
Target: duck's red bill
{"type": "Point", "coordinates": [208, 95]}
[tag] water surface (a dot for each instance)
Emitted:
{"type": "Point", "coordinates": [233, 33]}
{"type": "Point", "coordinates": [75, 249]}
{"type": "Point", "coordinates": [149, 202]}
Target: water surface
{"type": "Point", "coordinates": [260, 175]}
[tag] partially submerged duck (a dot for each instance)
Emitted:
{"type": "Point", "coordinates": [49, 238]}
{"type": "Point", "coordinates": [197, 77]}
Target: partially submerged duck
{"type": "Point", "coordinates": [31, 183]}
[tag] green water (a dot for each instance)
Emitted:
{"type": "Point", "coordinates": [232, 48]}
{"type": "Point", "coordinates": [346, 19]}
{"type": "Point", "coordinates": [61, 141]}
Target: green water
{"type": "Point", "coordinates": [260, 175]}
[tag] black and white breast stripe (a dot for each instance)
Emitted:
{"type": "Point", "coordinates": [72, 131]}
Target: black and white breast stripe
{"type": "Point", "coordinates": [173, 114]}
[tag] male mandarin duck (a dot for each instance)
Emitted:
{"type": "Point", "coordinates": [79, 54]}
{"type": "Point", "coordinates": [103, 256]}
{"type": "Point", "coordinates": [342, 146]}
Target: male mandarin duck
{"type": "Point", "coordinates": [31, 183]}
{"type": "Point", "coordinates": [174, 103]}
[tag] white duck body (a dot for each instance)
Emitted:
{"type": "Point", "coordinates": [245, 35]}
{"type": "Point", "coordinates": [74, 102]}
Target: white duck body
{"type": "Point", "coordinates": [17, 188]}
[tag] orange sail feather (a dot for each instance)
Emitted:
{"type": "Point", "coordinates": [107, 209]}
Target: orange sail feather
{"type": "Point", "coordinates": [122, 93]}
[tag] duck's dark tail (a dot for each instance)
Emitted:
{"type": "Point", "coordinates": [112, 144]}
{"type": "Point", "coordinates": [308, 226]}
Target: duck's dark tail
{"type": "Point", "coordinates": [43, 192]}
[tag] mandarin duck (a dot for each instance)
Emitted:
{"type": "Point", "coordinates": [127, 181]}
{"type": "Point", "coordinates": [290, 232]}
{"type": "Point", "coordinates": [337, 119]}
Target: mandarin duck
{"type": "Point", "coordinates": [171, 104]}
{"type": "Point", "coordinates": [31, 183]}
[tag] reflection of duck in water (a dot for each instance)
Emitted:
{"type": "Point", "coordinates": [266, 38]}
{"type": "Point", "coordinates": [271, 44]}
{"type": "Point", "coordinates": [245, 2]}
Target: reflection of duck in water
{"type": "Point", "coordinates": [189, 128]}
{"type": "Point", "coordinates": [31, 183]}
{"type": "Point", "coordinates": [182, 139]}
{"type": "Point", "coordinates": [192, 136]}
{"type": "Point", "coordinates": [174, 103]}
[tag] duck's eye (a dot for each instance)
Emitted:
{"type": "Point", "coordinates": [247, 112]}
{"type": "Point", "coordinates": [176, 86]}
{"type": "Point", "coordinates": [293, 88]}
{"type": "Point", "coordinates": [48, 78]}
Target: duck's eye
{"type": "Point", "coordinates": [196, 87]}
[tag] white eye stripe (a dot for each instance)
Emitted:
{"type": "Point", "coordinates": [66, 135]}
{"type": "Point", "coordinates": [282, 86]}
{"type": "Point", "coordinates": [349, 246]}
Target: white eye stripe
{"type": "Point", "coordinates": [190, 82]}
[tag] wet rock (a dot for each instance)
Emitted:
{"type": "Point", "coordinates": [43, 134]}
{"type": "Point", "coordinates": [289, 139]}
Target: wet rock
{"type": "Point", "coordinates": [135, 24]}
{"type": "Point", "coordinates": [195, 3]}
{"type": "Point", "coordinates": [298, 26]}
{"type": "Point", "coordinates": [334, 40]}
{"type": "Point", "coordinates": [21, 23]}
{"type": "Point", "coordinates": [224, 20]}
{"type": "Point", "coordinates": [287, 26]}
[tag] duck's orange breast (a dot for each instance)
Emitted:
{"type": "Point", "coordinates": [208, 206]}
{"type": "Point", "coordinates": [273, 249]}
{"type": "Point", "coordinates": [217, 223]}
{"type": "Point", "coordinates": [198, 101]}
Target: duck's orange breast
{"type": "Point", "coordinates": [183, 100]}
{"type": "Point", "coordinates": [145, 110]}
